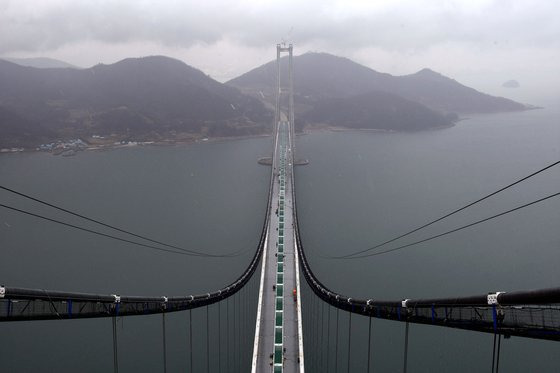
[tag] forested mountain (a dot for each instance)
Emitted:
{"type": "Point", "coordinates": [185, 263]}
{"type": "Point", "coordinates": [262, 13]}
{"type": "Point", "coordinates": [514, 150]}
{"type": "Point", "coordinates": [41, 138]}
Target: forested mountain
{"type": "Point", "coordinates": [323, 82]}
{"type": "Point", "coordinates": [137, 98]}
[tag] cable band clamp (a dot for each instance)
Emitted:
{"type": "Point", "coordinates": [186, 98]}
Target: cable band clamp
{"type": "Point", "coordinates": [493, 298]}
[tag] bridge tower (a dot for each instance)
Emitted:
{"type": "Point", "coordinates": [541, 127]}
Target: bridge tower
{"type": "Point", "coordinates": [278, 112]}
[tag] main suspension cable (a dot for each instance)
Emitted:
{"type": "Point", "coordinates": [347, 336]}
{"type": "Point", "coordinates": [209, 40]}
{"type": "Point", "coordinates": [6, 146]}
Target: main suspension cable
{"type": "Point", "coordinates": [109, 235]}
{"type": "Point", "coordinates": [194, 252]}
{"type": "Point", "coordinates": [445, 233]}
{"type": "Point", "coordinates": [452, 213]}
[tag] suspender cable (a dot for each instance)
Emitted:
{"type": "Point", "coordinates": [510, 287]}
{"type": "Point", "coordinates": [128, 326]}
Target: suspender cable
{"type": "Point", "coordinates": [322, 333]}
{"type": "Point", "coordinates": [238, 333]}
{"type": "Point", "coordinates": [317, 342]}
{"type": "Point", "coordinates": [369, 345]}
{"type": "Point", "coordinates": [493, 352]}
{"type": "Point", "coordinates": [328, 335]}
{"type": "Point", "coordinates": [115, 346]}
{"type": "Point", "coordinates": [227, 333]}
{"type": "Point", "coordinates": [315, 329]}
{"type": "Point", "coordinates": [498, 357]}
{"type": "Point", "coordinates": [349, 341]}
{"type": "Point", "coordinates": [164, 343]}
{"type": "Point", "coordinates": [240, 330]}
{"type": "Point", "coordinates": [235, 332]}
{"type": "Point", "coordinates": [247, 334]}
{"type": "Point", "coordinates": [305, 305]}
{"type": "Point", "coordinates": [243, 326]}
{"type": "Point", "coordinates": [248, 328]}
{"type": "Point", "coordinates": [207, 339]}
{"type": "Point", "coordinates": [317, 334]}
{"type": "Point", "coordinates": [219, 337]}
{"type": "Point", "coordinates": [190, 340]}
{"type": "Point", "coordinates": [310, 325]}
{"type": "Point", "coordinates": [336, 344]}
{"type": "Point", "coordinates": [405, 364]}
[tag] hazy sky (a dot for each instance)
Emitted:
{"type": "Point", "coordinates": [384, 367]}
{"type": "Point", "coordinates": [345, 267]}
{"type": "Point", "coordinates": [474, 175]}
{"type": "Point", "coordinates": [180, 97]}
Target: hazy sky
{"type": "Point", "coordinates": [481, 43]}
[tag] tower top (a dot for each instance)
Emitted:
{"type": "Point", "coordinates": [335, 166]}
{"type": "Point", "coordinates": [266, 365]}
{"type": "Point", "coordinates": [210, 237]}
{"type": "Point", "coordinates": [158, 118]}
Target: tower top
{"type": "Point", "coordinates": [283, 48]}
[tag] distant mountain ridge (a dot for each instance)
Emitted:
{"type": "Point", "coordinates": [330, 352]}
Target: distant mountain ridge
{"type": "Point", "coordinates": [162, 99]}
{"type": "Point", "coordinates": [375, 110]}
{"type": "Point", "coordinates": [40, 63]}
{"type": "Point", "coordinates": [137, 98]}
{"type": "Point", "coordinates": [445, 94]}
{"type": "Point", "coordinates": [322, 76]}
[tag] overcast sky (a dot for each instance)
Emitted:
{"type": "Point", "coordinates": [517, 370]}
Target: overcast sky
{"type": "Point", "coordinates": [481, 43]}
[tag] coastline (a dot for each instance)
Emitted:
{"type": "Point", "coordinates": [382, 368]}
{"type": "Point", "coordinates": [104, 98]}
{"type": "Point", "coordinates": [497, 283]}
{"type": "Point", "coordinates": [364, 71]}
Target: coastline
{"type": "Point", "coordinates": [110, 145]}
{"type": "Point", "coordinates": [330, 128]}
{"type": "Point", "coordinates": [174, 142]}
{"type": "Point", "coordinates": [133, 144]}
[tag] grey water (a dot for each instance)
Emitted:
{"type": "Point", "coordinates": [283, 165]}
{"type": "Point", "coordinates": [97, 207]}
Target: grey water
{"type": "Point", "coordinates": [359, 189]}
{"type": "Point", "coordinates": [207, 197]}
{"type": "Point", "coordinates": [363, 188]}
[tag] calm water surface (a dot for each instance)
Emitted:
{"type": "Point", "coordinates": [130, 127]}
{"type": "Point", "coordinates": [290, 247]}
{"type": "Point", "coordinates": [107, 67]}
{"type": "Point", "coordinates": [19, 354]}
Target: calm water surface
{"type": "Point", "coordinates": [207, 197]}
{"type": "Point", "coordinates": [360, 188]}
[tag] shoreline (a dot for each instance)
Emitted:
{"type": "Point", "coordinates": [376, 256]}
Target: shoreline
{"type": "Point", "coordinates": [329, 128]}
{"type": "Point", "coordinates": [209, 140]}
{"type": "Point", "coordinates": [133, 144]}
{"type": "Point", "coordinates": [212, 140]}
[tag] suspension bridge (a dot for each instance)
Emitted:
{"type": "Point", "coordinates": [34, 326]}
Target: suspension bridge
{"type": "Point", "coordinates": [268, 318]}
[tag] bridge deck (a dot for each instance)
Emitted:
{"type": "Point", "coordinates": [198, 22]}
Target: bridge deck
{"type": "Point", "coordinates": [278, 334]}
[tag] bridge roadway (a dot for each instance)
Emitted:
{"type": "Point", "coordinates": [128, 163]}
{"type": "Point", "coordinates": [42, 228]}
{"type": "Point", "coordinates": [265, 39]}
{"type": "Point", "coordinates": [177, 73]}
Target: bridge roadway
{"type": "Point", "coordinates": [274, 352]}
